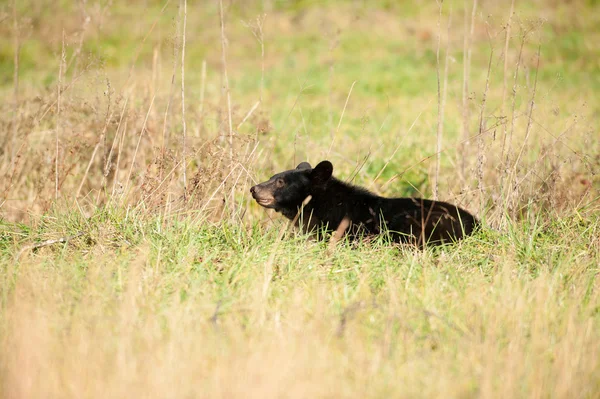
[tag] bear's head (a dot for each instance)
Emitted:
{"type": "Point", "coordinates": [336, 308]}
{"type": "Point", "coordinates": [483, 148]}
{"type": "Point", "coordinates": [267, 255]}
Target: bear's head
{"type": "Point", "coordinates": [286, 190]}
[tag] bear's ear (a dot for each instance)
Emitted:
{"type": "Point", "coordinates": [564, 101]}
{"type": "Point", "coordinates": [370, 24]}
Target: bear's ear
{"type": "Point", "coordinates": [322, 172]}
{"type": "Point", "coordinates": [303, 166]}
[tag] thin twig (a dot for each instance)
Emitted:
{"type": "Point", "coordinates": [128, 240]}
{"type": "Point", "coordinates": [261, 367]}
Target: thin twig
{"type": "Point", "coordinates": [399, 144]}
{"type": "Point", "coordinates": [77, 52]}
{"type": "Point", "coordinates": [466, 75]}
{"type": "Point", "coordinates": [226, 79]}
{"type": "Point", "coordinates": [62, 240]}
{"type": "Point", "coordinates": [60, 72]}
{"type": "Point", "coordinates": [51, 105]}
{"type": "Point", "coordinates": [256, 104]}
{"type": "Point", "coordinates": [210, 198]}
{"type": "Point", "coordinates": [302, 89]}
{"type": "Point", "coordinates": [228, 93]}
{"type": "Point", "coordinates": [391, 179]}
{"type": "Point", "coordinates": [173, 169]}
{"type": "Point", "coordinates": [202, 86]}
{"type": "Point", "coordinates": [141, 46]}
{"type": "Point", "coordinates": [17, 47]}
{"type": "Point", "coordinates": [262, 57]}
{"type": "Point", "coordinates": [138, 144]}
{"type": "Point", "coordinates": [100, 140]}
{"type": "Point", "coordinates": [331, 60]}
{"type": "Point", "coordinates": [166, 127]}
{"type": "Point", "coordinates": [514, 100]}
{"type": "Point", "coordinates": [480, 147]}
{"type": "Point", "coordinates": [532, 104]}
{"type": "Point", "coordinates": [441, 99]}
{"type": "Point", "coordinates": [507, 171]}
{"type": "Point", "coordinates": [504, 84]}
{"type": "Point", "coordinates": [119, 152]}
{"type": "Point", "coordinates": [108, 164]}
{"type": "Point", "coordinates": [341, 117]}
{"type": "Point", "coordinates": [183, 163]}
{"type": "Point", "coordinates": [257, 31]}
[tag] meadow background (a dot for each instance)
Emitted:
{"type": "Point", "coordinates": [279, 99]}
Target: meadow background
{"type": "Point", "coordinates": [134, 262]}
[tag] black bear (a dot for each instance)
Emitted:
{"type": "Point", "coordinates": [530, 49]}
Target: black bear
{"type": "Point", "coordinates": [319, 202]}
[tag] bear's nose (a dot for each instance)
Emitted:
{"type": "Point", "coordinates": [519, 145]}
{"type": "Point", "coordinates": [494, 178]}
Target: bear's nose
{"type": "Point", "coordinates": [252, 189]}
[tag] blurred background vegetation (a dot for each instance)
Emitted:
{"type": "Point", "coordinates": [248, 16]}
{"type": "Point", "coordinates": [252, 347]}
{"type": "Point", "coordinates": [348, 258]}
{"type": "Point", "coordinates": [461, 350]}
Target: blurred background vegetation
{"type": "Point", "coordinates": [377, 60]}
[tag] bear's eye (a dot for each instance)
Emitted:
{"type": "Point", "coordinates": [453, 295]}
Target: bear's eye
{"type": "Point", "coordinates": [279, 183]}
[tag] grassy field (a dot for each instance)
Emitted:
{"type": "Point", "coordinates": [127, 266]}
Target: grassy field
{"type": "Point", "coordinates": [134, 262]}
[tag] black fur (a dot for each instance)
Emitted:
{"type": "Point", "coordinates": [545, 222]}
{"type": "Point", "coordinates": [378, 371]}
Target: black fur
{"type": "Point", "coordinates": [408, 220]}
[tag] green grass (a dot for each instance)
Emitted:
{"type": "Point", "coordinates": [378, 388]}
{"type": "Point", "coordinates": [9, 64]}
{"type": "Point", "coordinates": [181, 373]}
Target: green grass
{"type": "Point", "coordinates": [189, 299]}
{"type": "Point", "coordinates": [161, 297]}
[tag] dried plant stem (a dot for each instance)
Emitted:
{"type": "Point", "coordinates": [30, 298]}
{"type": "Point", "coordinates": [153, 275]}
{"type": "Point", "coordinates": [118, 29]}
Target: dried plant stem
{"type": "Point", "coordinates": [155, 69]}
{"type": "Point", "coordinates": [138, 143]}
{"type": "Point", "coordinates": [58, 104]}
{"type": "Point", "coordinates": [330, 92]}
{"type": "Point", "coordinates": [61, 240]}
{"type": "Point", "coordinates": [505, 76]}
{"type": "Point", "coordinates": [183, 163]}
{"type": "Point", "coordinates": [261, 38]}
{"type": "Point", "coordinates": [226, 80]}
{"type": "Point", "coordinates": [214, 193]}
{"type": "Point", "coordinates": [469, 29]}
{"type": "Point", "coordinates": [165, 143]}
{"type": "Point", "coordinates": [202, 86]}
{"type": "Point", "coordinates": [426, 159]}
{"type": "Point", "coordinates": [341, 118]}
{"type": "Point", "coordinates": [141, 44]}
{"type": "Point", "coordinates": [51, 105]}
{"type": "Point", "coordinates": [507, 177]}
{"type": "Point", "coordinates": [480, 144]}
{"type": "Point", "coordinates": [168, 175]}
{"type": "Point", "coordinates": [254, 107]}
{"type": "Point", "coordinates": [17, 48]}
{"type": "Point", "coordinates": [262, 66]}
{"type": "Point", "coordinates": [257, 30]}
{"type": "Point", "coordinates": [75, 56]}
{"type": "Point", "coordinates": [108, 163]}
{"type": "Point", "coordinates": [237, 216]}
{"type": "Point", "coordinates": [529, 118]}
{"type": "Point", "coordinates": [87, 170]}
{"type": "Point", "coordinates": [514, 102]}
{"type": "Point", "coordinates": [441, 99]}
{"type": "Point", "coordinates": [121, 141]}
{"type": "Point", "coordinates": [399, 145]}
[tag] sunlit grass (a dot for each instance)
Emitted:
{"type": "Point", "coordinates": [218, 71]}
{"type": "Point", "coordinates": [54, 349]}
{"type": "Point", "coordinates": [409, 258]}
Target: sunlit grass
{"type": "Point", "coordinates": [157, 294]}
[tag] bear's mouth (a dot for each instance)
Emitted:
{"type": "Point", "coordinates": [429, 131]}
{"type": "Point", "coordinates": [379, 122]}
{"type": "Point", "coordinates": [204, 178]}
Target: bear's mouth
{"type": "Point", "coordinates": [266, 202]}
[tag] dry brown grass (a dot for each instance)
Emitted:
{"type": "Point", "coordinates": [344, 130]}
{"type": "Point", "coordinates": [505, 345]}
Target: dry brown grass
{"type": "Point", "coordinates": [184, 288]}
{"type": "Point", "coordinates": [125, 331]}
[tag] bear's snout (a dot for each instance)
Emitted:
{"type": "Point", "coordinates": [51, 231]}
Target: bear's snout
{"type": "Point", "coordinates": [263, 196]}
{"type": "Point", "coordinates": [257, 191]}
